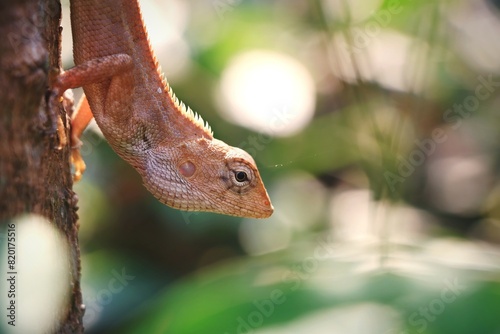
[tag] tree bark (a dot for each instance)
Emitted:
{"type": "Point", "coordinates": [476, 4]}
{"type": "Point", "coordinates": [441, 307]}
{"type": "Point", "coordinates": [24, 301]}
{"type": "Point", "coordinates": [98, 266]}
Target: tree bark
{"type": "Point", "coordinates": [35, 173]}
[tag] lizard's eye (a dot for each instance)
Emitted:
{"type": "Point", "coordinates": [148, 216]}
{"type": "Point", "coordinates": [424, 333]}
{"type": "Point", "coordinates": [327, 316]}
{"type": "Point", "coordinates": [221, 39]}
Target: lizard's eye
{"type": "Point", "coordinates": [240, 176]}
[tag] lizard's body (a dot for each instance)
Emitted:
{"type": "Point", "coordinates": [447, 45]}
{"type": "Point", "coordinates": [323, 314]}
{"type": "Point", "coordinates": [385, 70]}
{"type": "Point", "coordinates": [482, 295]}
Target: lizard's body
{"type": "Point", "coordinates": [173, 150]}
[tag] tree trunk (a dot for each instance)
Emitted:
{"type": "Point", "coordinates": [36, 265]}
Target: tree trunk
{"type": "Point", "coordinates": [35, 173]}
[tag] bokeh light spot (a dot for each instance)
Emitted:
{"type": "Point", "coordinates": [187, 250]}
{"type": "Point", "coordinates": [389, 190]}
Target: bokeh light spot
{"type": "Point", "coordinates": [267, 92]}
{"type": "Point", "coordinates": [42, 280]}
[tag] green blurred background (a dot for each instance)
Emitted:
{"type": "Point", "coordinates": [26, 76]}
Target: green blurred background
{"type": "Point", "coordinates": [375, 125]}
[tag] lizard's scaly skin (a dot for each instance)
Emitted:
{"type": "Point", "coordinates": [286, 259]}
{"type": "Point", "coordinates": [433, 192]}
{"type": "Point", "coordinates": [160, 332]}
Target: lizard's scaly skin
{"type": "Point", "coordinates": [180, 161]}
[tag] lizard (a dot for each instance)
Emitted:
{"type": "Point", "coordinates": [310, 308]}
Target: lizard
{"type": "Point", "coordinates": [170, 146]}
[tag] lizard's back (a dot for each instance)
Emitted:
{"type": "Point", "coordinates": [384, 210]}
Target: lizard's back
{"type": "Point", "coordinates": [109, 27]}
{"type": "Point", "coordinates": [106, 27]}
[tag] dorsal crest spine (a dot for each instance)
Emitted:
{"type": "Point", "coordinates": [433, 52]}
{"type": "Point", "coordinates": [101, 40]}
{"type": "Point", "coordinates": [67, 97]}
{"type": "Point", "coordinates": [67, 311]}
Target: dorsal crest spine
{"type": "Point", "coordinates": [183, 110]}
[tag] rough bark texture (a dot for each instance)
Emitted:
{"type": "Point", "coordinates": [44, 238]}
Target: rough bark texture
{"type": "Point", "coordinates": [35, 175]}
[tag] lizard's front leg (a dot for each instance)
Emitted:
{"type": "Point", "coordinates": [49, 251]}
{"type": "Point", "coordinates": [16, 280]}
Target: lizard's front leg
{"type": "Point", "coordinates": [89, 72]}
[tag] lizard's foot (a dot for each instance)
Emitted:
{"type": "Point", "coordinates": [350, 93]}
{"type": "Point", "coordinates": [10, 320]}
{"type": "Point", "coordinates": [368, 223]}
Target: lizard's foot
{"type": "Point", "coordinates": [56, 126]}
{"type": "Point", "coordinates": [78, 163]}
{"type": "Point", "coordinates": [61, 133]}
{"type": "Point", "coordinates": [76, 157]}
{"type": "Point", "coordinates": [57, 96]}
{"type": "Point", "coordinates": [68, 104]}
{"type": "Point", "coordinates": [60, 93]}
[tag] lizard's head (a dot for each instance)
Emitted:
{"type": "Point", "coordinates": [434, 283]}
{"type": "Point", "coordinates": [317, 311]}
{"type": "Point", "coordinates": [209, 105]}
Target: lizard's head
{"type": "Point", "coordinates": [207, 175]}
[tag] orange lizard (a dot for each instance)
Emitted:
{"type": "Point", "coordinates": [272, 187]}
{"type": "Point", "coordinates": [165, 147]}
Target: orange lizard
{"type": "Point", "coordinates": [171, 147]}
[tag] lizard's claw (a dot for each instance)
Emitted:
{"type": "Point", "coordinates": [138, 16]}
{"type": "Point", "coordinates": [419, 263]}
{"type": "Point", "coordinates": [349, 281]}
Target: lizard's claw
{"type": "Point", "coordinates": [78, 163]}
{"type": "Point", "coordinates": [58, 94]}
{"type": "Point", "coordinates": [61, 133]}
{"type": "Point", "coordinates": [76, 157]}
